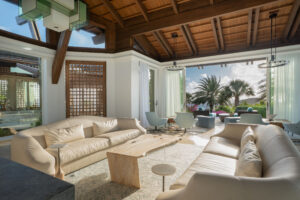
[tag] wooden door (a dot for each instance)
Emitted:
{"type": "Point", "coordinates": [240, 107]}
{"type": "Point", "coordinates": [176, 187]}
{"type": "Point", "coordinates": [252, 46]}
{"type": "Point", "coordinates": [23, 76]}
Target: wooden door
{"type": "Point", "coordinates": [85, 88]}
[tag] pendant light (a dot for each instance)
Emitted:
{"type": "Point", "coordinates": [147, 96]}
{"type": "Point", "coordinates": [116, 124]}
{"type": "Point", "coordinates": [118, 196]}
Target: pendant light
{"type": "Point", "coordinates": [175, 67]}
{"type": "Point", "coordinates": [273, 62]}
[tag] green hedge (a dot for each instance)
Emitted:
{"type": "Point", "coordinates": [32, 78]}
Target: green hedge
{"type": "Point", "coordinates": [261, 109]}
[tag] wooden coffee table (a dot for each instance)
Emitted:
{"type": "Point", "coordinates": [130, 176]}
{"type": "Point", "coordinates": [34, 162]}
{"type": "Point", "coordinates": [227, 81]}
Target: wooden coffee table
{"type": "Point", "coordinates": [123, 159]}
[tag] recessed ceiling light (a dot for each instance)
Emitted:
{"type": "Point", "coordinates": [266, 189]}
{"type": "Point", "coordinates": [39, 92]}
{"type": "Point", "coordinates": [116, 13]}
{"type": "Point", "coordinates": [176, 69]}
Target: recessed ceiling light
{"type": "Point", "coordinates": [27, 48]}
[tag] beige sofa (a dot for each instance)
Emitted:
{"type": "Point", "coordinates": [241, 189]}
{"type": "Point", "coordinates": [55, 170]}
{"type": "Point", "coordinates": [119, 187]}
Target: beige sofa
{"type": "Point", "coordinates": [211, 175]}
{"type": "Point", "coordinates": [29, 146]}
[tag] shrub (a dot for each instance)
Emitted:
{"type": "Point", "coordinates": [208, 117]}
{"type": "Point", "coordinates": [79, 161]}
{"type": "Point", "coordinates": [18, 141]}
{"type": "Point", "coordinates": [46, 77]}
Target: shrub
{"type": "Point", "coordinates": [227, 109]}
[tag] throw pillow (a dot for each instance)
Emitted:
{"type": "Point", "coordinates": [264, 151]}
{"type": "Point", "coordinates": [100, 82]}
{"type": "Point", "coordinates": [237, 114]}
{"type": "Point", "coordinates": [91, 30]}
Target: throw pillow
{"type": "Point", "coordinates": [247, 135]}
{"type": "Point", "coordinates": [105, 127]}
{"type": "Point", "coordinates": [249, 163]}
{"type": "Point", "coordinates": [63, 135]}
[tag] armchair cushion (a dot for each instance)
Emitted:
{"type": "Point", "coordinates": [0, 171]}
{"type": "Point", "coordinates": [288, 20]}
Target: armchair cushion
{"type": "Point", "coordinates": [63, 135]}
{"type": "Point", "coordinates": [248, 135]}
{"type": "Point", "coordinates": [118, 137]}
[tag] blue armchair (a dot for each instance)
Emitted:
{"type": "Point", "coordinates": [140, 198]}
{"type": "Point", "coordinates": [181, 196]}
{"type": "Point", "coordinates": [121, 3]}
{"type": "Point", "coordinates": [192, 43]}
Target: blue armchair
{"type": "Point", "coordinates": [155, 121]}
{"type": "Point", "coordinates": [252, 119]}
{"type": "Point", "coordinates": [185, 120]}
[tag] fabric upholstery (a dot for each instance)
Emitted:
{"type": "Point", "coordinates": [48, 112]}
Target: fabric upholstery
{"type": "Point", "coordinates": [63, 135]}
{"type": "Point", "coordinates": [118, 137]}
{"type": "Point", "coordinates": [280, 171]}
{"type": "Point", "coordinates": [247, 136]}
{"type": "Point", "coordinates": [249, 163]}
{"type": "Point", "coordinates": [79, 148]}
{"type": "Point", "coordinates": [28, 147]}
{"type": "Point", "coordinates": [209, 163]}
{"type": "Point", "coordinates": [105, 127]}
{"type": "Point", "coordinates": [223, 146]}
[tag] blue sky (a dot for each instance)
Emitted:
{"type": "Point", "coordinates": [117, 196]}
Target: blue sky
{"type": "Point", "coordinates": [249, 73]}
{"type": "Point", "coordinates": [8, 22]}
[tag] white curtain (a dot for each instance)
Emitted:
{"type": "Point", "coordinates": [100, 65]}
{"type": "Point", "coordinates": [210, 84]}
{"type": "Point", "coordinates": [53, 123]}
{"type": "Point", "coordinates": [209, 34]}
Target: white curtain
{"type": "Point", "coordinates": [286, 84]}
{"type": "Point", "coordinates": [173, 93]}
{"type": "Point", "coordinates": [144, 102]}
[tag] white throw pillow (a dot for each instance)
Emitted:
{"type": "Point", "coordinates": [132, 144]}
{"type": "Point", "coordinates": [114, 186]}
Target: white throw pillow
{"type": "Point", "coordinates": [63, 135]}
{"type": "Point", "coordinates": [248, 135]}
{"type": "Point", "coordinates": [249, 163]}
{"type": "Point", "coordinates": [105, 127]}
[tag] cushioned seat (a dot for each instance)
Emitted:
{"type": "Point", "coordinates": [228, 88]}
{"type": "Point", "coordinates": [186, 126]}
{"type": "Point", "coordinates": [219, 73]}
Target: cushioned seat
{"type": "Point", "coordinates": [80, 148]}
{"type": "Point", "coordinates": [207, 162]}
{"type": "Point", "coordinates": [223, 146]}
{"type": "Point", "coordinates": [118, 137]}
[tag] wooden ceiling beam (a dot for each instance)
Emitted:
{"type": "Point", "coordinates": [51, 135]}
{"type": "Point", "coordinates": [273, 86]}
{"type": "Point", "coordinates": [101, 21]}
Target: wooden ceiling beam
{"type": "Point", "coordinates": [292, 17]}
{"type": "Point", "coordinates": [250, 14]}
{"type": "Point", "coordinates": [211, 2]}
{"type": "Point", "coordinates": [199, 13]}
{"type": "Point", "coordinates": [113, 11]}
{"type": "Point", "coordinates": [146, 46]}
{"type": "Point", "coordinates": [191, 39]}
{"type": "Point", "coordinates": [143, 9]}
{"type": "Point", "coordinates": [214, 29]}
{"type": "Point", "coordinates": [60, 55]}
{"type": "Point", "coordinates": [255, 26]}
{"type": "Point", "coordinates": [220, 32]}
{"type": "Point", "coordinates": [163, 42]}
{"type": "Point", "coordinates": [99, 21]}
{"type": "Point", "coordinates": [183, 31]}
{"type": "Point", "coordinates": [295, 27]}
{"type": "Point", "coordinates": [175, 6]}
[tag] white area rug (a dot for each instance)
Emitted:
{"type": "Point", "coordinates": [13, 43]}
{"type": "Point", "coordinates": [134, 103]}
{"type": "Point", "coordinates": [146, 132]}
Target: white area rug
{"type": "Point", "coordinates": [93, 182]}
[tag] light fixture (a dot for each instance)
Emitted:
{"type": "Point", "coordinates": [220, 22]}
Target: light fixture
{"type": "Point", "coordinates": [273, 62]}
{"type": "Point", "coordinates": [175, 67]}
{"type": "Point", "coordinates": [58, 15]}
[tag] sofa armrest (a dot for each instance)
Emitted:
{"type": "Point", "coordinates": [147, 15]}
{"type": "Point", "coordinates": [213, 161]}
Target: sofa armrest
{"type": "Point", "coordinates": [130, 123]}
{"type": "Point", "coordinates": [210, 186]}
{"type": "Point", "coordinates": [27, 151]}
{"type": "Point", "coordinates": [235, 131]}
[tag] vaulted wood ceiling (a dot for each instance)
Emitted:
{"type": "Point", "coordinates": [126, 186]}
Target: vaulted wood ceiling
{"type": "Point", "coordinates": [204, 27]}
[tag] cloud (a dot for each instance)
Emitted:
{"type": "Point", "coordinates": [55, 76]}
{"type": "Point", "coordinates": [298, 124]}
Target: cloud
{"type": "Point", "coordinates": [225, 80]}
{"type": "Point", "coordinates": [191, 87]}
{"type": "Point", "coordinates": [203, 75]}
{"type": "Point", "coordinates": [80, 39]}
{"type": "Point", "coordinates": [4, 28]}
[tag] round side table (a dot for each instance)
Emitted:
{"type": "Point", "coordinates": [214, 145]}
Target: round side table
{"type": "Point", "coordinates": [163, 170]}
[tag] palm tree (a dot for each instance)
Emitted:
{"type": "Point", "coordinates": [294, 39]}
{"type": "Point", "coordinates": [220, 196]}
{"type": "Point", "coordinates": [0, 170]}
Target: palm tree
{"type": "Point", "coordinates": [224, 96]}
{"type": "Point", "coordinates": [262, 89]}
{"type": "Point", "coordinates": [239, 88]}
{"type": "Point", "coordinates": [207, 91]}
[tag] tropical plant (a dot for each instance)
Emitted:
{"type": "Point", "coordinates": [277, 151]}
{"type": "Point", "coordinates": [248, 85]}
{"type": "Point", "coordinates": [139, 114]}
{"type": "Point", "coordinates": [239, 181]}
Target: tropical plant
{"type": "Point", "coordinates": [262, 89]}
{"type": "Point", "coordinates": [224, 96]}
{"type": "Point", "coordinates": [189, 98]}
{"type": "Point", "coordinates": [208, 91]}
{"type": "Point", "coordinates": [239, 88]}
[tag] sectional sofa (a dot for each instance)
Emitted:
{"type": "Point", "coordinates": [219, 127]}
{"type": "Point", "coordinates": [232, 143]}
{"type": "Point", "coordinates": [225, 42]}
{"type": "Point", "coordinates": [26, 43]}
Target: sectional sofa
{"type": "Point", "coordinates": [30, 148]}
{"type": "Point", "coordinates": [212, 175]}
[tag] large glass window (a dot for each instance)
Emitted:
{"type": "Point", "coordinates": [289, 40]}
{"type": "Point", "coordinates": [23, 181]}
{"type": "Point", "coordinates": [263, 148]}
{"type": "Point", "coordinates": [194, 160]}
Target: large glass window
{"type": "Point", "coordinates": [83, 38]}
{"type": "Point", "coordinates": [8, 22]}
{"type": "Point", "coordinates": [20, 93]}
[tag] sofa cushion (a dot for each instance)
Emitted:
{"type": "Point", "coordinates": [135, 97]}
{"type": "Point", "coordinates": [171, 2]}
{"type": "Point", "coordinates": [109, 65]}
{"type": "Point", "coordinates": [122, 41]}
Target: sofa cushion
{"type": "Point", "coordinates": [247, 135]}
{"type": "Point", "coordinates": [249, 163]}
{"type": "Point", "coordinates": [207, 162]}
{"type": "Point", "coordinates": [118, 137]}
{"type": "Point", "coordinates": [80, 148]}
{"type": "Point", "coordinates": [63, 135]}
{"type": "Point", "coordinates": [223, 146]}
{"type": "Point", "coordinates": [105, 126]}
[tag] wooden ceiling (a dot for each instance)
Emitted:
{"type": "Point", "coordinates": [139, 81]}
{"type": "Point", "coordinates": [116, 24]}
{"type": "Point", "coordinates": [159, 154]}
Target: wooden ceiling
{"type": "Point", "coordinates": [204, 27]}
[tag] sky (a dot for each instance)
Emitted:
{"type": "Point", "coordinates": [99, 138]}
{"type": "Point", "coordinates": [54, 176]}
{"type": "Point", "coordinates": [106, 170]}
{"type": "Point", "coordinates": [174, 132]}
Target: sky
{"type": "Point", "coordinates": [8, 22]}
{"type": "Point", "coordinates": [249, 73]}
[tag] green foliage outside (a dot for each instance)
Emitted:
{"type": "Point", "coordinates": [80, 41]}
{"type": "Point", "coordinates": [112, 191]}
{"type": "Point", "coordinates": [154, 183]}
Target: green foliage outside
{"type": "Point", "coordinates": [261, 108]}
{"type": "Point", "coordinates": [228, 109]}
{"type": "Point", "coordinates": [5, 132]}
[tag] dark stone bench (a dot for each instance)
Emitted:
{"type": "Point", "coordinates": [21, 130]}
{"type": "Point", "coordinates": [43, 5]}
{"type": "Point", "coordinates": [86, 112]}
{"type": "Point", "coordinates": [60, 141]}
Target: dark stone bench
{"type": "Point", "coordinates": [20, 182]}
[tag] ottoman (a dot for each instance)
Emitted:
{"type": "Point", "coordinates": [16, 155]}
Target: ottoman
{"type": "Point", "coordinates": [206, 121]}
{"type": "Point", "coordinates": [231, 120]}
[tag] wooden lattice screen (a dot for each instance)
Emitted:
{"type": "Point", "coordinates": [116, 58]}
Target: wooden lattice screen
{"type": "Point", "coordinates": [85, 88]}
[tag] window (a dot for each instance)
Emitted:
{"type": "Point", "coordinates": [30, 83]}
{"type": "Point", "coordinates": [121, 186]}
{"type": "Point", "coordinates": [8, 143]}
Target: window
{"type": "Point", "coordinates": [9, 23]}
{"type": "Point", "coordinates": [85, 88]}
{"type": "Point", "coordinates": [83, 38]}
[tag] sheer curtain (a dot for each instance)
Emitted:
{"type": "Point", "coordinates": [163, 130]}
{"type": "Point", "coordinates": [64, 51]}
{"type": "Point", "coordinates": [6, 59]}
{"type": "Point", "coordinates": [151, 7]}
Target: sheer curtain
{"type": "Point", "coordinates": [286, 83]}
{"type": "Point", "coordinates": [173, 93]}
{"type": "Point", "coordinates": [144, 93]}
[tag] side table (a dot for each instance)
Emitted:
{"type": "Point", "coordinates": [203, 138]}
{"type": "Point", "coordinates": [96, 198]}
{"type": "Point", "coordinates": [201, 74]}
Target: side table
{"type": "Point", "coordinates": [163, 170]}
